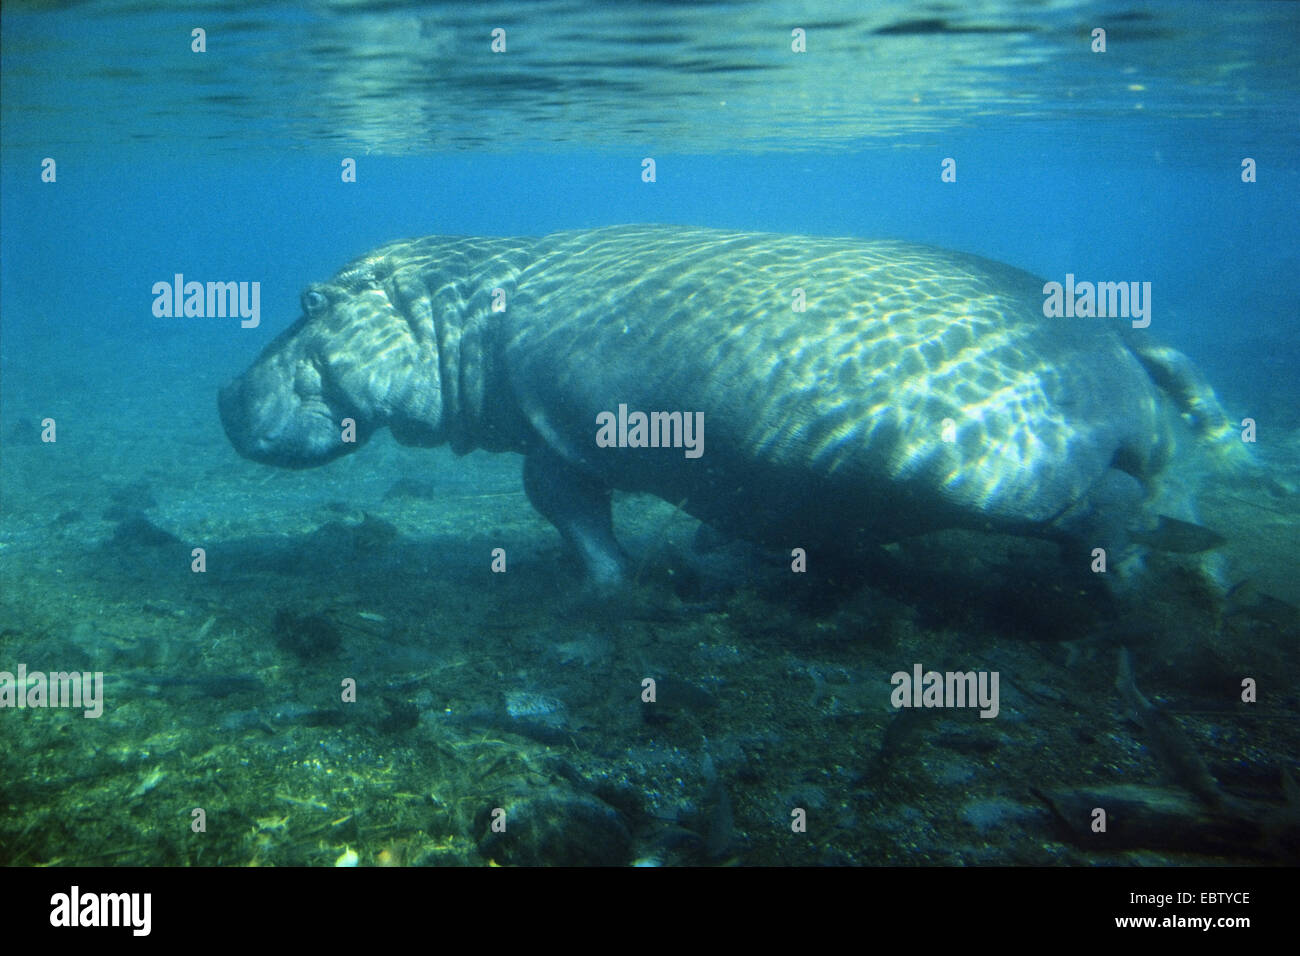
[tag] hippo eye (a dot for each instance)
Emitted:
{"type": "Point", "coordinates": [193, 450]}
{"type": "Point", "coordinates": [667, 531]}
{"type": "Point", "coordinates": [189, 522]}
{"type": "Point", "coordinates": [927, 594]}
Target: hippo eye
{"type": "Point", "coordinates": [313, 302]}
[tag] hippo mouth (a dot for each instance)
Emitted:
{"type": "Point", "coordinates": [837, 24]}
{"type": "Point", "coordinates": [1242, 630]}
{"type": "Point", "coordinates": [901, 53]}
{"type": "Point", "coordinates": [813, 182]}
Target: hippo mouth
{"type": "Point", "coordinates": [280, 430]}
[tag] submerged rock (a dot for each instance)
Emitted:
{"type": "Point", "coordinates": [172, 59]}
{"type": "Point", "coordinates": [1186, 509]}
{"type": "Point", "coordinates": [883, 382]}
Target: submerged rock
{"type": "Point", "coordinates": [137, 531]}
{"type": "Point", "coordinates": [305, 635]}
{"type": "Point", "coordinates": [557, 826]}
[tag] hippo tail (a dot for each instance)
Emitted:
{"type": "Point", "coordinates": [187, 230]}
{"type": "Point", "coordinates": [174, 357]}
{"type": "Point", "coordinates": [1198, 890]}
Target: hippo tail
{"type": "Point", "coordinates": [1209, 446]}
{"type": "Point", "coordinates": [1174, 374]}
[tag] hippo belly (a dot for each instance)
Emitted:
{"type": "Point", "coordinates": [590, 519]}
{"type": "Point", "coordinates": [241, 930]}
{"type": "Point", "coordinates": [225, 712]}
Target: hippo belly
{"type": "Point", "coordinates": [838, 390]}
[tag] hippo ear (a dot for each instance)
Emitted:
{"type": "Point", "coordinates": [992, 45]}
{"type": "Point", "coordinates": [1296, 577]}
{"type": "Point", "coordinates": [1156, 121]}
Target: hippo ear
{"type": "Point", "coordinates": [314, 302]}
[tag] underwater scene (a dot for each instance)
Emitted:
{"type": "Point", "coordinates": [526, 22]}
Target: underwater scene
{"type": "Point", "coordinates": [778, 433]}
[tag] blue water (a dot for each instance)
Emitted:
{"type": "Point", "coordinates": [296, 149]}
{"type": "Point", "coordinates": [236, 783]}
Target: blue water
{"type": "Point", "coordinates": [226, 166]}
{"type": "Point", "coordinates": [1221, 254]}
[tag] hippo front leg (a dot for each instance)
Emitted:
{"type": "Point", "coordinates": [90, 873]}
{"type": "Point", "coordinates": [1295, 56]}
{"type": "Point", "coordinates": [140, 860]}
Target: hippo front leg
{"type": "Point", "coordinates": [579, 506]}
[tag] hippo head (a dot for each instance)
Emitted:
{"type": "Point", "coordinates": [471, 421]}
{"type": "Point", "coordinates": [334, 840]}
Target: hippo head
{"type": "Point", "coordinates": [352, 355]}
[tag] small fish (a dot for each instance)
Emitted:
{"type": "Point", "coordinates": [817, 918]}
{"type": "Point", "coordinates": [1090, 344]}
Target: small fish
{"type": "Point", "coordinates": [1167, 741]}
{"type": "Point", "coordinates": [1152, 817]}
{"type": "Point", "coordinates": [151, 780]}
{"type": "Point", "coordinates": [721, 836]}
{"type": "Point", "coordinates": [202, 685]}
{"type": "Point", "coordinates": [241, 720]}
{"type": "Point", "coordinates": [1179, 537]}
{"type": "Point", "coordinates": [524, 705]}
{"type": "Point", "coordinates": [538, 716]}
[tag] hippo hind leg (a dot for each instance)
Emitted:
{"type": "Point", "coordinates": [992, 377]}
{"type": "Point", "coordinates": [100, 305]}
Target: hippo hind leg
{"type": "Point", "coordinates": [579, 507]}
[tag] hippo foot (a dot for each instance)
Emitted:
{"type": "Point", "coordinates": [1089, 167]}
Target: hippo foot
{"type": "Point", "coordinates": [579, 507]}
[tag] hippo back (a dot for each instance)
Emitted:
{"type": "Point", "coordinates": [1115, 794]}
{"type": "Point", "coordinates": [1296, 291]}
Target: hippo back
{"type": "Point", "coordinates": [917, 388]}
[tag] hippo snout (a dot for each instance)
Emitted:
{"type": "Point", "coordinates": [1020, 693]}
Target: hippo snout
{"type": "Point", "coordinates": [235, 419]}
{"type": "Point", "coordinates": [268, 422]}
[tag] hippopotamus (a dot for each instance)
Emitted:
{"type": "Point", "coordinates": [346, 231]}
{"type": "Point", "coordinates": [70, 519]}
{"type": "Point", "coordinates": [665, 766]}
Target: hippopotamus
{"type": "Point", "coordinates": [805, 392]}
